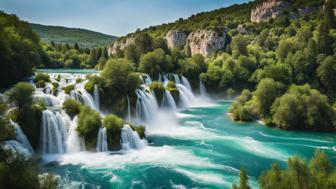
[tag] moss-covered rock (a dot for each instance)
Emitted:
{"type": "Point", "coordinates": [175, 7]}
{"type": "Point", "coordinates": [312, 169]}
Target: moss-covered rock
{"type": "Point", "coordinates": [68, 88]}
{"type": "Point", "coordinates": [40, 84]}
{"type": "Point", "coordinates": [158, 90]}
{"type": "Point", "coordinates": [140, 129]}
{"type": "Point", "coordinates": [171, 87]}
{"type": "Point", "coordinates": [89, 122]}
{"type": "Point", "coordinates": [113, 125]}
{"type": "Point", "coordinates": [41, 77]}
{"type": "Point", "coordinates": [72, 107]}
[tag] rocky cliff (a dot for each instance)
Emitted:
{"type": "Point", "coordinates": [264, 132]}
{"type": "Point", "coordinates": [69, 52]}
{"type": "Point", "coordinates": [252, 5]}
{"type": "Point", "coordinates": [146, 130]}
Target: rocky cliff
{"type": "Point", "coordinates": [268, 9]}
{"type": "Point", "coordinates": [206, 42]}
{"type": "Point", "coordinates": [120, 44]}
{"type": "Point", "coordinates": [176, 39]}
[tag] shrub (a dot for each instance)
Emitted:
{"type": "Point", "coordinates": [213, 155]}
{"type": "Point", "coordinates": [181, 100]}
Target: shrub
{"type": "Point", "coordinates": [240, 109]}
{"type": "Point", "coordinates": [41, 77]}
{"type": "Point", "coordinates": [40, 84]}
{"type": "Point", "coordinates": [21, 95]}
{"type": "Point", "coordinates": [113, 125]}
{"type": "Point", "coordinates": [158, 90]}
{"type": "Point", "coordinates": [89, 122]}
{"type": "Point", "coordinates": [303, 108]}
{"type": "Point", "coordinates": [68, 88]}
{"type": "Point", "coordinates": [140, 129]}
{"type": "Point", "coordinates": [72, 107]}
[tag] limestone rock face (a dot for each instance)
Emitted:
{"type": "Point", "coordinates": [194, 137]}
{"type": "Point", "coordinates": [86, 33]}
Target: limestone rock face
{"type": "Point", "coordinates": [176, 38]}
{"type": "Point", "coordinates": [268, 9]}
{"type": "Point", "coordinates": [120, 44]}
{"type": "Point", "coordinates": [206, 42]}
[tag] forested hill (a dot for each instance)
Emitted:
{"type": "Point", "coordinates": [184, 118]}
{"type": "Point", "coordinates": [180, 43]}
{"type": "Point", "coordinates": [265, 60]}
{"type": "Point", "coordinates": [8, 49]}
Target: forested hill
{"type": "Point", "coordinates": [223, 17]}
{"type": "Point", "coordinates": [84, 38]}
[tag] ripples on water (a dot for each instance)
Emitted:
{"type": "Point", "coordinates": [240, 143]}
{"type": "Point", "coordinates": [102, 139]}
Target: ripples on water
{"type": "Point", "coordinates": [197, 148]}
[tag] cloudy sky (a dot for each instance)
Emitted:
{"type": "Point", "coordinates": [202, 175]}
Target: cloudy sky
{"type": "Point", "coordinates": [114, 17]}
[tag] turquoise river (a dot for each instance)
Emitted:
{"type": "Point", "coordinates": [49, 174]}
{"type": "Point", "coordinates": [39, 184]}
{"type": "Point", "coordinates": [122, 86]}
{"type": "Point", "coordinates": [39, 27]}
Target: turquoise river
{"type": "Point", "coordinates": [200, 148]}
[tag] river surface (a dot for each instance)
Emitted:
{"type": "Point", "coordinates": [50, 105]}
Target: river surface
{"type": "Point", "coordinates": [197, 148]}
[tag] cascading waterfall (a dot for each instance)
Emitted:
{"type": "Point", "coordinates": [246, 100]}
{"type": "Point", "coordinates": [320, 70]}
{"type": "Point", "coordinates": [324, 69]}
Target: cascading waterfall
{"type": "Point", "coordinates": [130, 139]}
{"type": "Point", "coordinates": [84, 97]}
{"type": "Point", "coordinates": [202, 89]}
{"type": "Point", "coordinates": [146, 105]}
{"type": "Point", "coordinates": [96, 97]}
{"type": "Point", "coordinates": [146, 78]}
{"type": "Point", "coordinates": [76, 96]}
{"type": "Point", "coordinates": [74, 142]}
{"type": "Point", "coordinates": [21, 137]}
{"type": "Point", "coordinates": [48, 99]}
{"type": "Point", "coordinates": [176, 78]}
{"type": "Point", "coordinates": [102, 140]}
{"type": "Point", "coordinates": [128, 109]}
{"type": "Point", "coordinates": [186, 83]}
{"type": "Point", "coordinates": [88, 99]}
{"type": "Point", "coordinates": [17, 148]}
{"type": "Point", "coordinates": [52, 134]}
{"type": "Point", "coordinates": [186, 96]}
{"type": "Point", "coordinates": [168, 100]}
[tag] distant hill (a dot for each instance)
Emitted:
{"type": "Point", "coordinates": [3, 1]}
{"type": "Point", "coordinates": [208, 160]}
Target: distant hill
{"type": "Point", "coordinates": [84, 38]}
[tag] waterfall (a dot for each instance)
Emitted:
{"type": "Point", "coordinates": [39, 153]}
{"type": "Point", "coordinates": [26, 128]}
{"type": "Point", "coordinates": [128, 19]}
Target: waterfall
{"type": "Point", "coordinates": [17, 148]}
{"type": "Point", "coordinates": [88, 99]}
{"type": "Point", "coordinates": [84, 97]}
{"type": "Point", "coordinates": [186, 83]}
{"type": "Point", "coordinates": [146, 79]}
{"type": "Point", "coordinates": [21, 137]}
{"type": "Point", "coordinates": [130, 139]}
{"type": "Point", "coordinates": [146, 105]}
{"type": "Point", "coordinates": [52, 134]}
{"type": "Point", "coordinates": [74, 142]}
{"type": "Point", "coordinates": [48, 99]}
{"type": "Point", "coordinates": [186, 96]}
{"type": "Point", "coordinates": [96, 97]}
{"type": "Point", "coordinates": [177, 78]}
{"type": "Point", "coordinates": [168, 100]}
{"type": "Point", "coordinates": [76, 96]}
{"type": "Point", "coordinates": [202, 89]}
{"type": "Point", "coordinates": [128, 109]}
{"type": "Point", "coordinates": [102, 140]}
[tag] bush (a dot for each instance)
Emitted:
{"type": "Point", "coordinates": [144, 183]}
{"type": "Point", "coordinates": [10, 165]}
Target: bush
{"type": "Point", "coordinates": [303, 108]}
{"type": "Point", "coordinates": [72, 107]}
{"type": "Point", "coordinates": [240, 109]}
{"type": "Point", "coordinates": [113, 125]}
{"type": "Point", "coordinates": [89, 122]}
{"type": "Point", "coordinates": [68, 88]}
{"type": "Point", "coordinates": [158, 90]}
{"type": "Point", "coordinates": [41, 77]}
{"type": "Point", "coordinates": [40, 84]}
{"type": "Point", "coordinates": [140, 129]}
{"type": "Point", "coordinates": [317, 173]}
{"type": "Point", "coordinates": [21, 95]}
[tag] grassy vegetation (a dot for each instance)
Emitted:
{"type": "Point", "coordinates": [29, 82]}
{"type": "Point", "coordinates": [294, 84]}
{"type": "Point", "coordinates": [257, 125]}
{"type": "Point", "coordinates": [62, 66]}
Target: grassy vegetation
{"type": "Point", "coordinates": [84, 38]}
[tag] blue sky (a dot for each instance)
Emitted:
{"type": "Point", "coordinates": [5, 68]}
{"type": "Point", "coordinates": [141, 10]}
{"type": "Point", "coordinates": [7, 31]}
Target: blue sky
{"type": "Point", "coordinates": [115, 17]}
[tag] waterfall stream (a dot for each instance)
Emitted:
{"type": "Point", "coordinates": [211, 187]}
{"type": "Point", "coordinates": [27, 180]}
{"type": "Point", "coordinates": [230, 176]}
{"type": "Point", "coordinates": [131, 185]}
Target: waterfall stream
{"type": "Point", "coordinates": [52, 134]}
{"type": "Point", "coordinates": [21, 137]}
{"type": "Point", "coordinates": [102, 140]}
{"type": "Point", "coordinates": [168, 100]}
{"type": "Point", "coordinates": [96, 97]}
{"type": "Point", "coordinates": [130, 139]}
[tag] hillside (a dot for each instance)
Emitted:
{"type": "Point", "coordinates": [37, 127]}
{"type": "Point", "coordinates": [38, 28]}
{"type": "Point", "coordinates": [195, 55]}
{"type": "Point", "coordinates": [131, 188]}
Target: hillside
{"type": "Point", "coordinates": [226, 17]}
{"type": "Point", "coordinates": [85, 38]}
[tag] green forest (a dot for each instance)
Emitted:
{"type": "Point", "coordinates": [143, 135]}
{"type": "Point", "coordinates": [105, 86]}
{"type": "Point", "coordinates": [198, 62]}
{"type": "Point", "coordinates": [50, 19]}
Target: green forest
{"type": "Point", "coordinates": [282, 72]}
